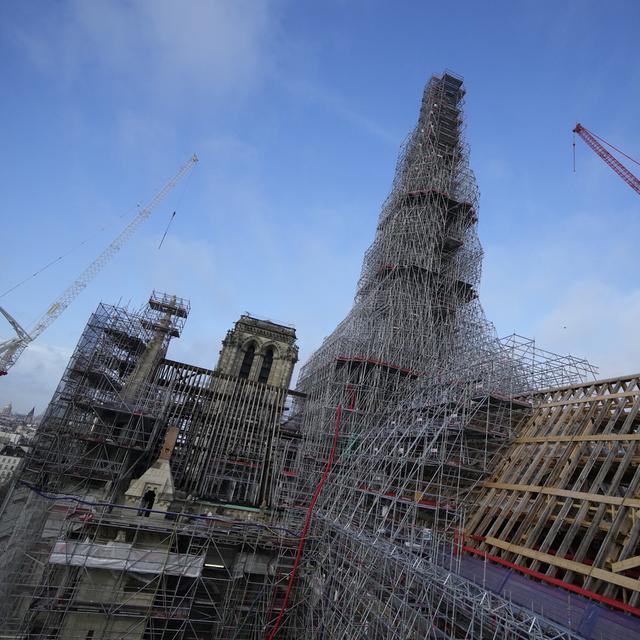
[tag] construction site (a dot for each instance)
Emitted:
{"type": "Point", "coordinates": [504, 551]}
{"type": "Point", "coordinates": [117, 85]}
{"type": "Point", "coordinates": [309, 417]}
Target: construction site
{"type": "Point", "coordinates": [425, 478]}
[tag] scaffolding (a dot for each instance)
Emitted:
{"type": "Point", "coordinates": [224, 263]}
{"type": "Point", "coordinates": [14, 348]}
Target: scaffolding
{"type": "Point", "coordinates": [406, 406]}
{"type": "Point", "coordinates": [88, 556]}
{"type": "Point", "coordinates": [228, 426]}
{"type": "Point", "coordinates": [113, 572]}
{"type": "Point", "coordinates": [104, 419]}
{"type": "Point", "coordinates": [165, 501]}
{"type": "Point", "coordinates": [99, 430]}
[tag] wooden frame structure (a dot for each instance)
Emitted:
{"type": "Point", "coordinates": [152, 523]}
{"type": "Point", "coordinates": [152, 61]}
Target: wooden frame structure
{"type": "Point", "coordinates": [564, 500]}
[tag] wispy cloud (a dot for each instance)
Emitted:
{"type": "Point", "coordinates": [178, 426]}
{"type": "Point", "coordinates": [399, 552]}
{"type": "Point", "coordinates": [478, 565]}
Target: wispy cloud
{"type": "Point", "coordinates": [571, 286]}
{"type": "Point", "coordinates": [32, 381]}
{"type": "Point", "coordinates": [164, 269]}
{"type": "Point", "coordinates": [598, 320]}
{"type": "Point", "coordinates": [175, 49]}
{"type": "Point", "coordinates": [336, 104]}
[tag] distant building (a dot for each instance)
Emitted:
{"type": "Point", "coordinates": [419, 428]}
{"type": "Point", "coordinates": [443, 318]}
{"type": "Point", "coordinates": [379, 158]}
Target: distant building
{"type": "Point", "coordinates": [13, 421]}
{"type": "Point", "coordinates": [16, 428]}
{"type": "Point", "coordinates": [10, 458]}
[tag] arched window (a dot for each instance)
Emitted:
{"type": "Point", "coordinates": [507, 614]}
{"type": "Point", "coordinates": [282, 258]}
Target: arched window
{"type": "Point", "coordinates": [247, 361]}
{"type": "Point", "coordinates": [266, 366]}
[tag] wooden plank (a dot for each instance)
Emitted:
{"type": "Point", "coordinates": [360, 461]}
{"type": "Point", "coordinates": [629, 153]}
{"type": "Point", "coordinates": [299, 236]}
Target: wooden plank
{"type": "Point", "coordinates": [608, 548]}
{"type": "Point", "coordinates": [537, 520]}
{"type": "Point", "coordinates": [577, 495]}
{"type": "Point", "coordinates": [623, 565]}
{"type": "Point", "coordinates": [582, 385]}
{"type": "Point", "coordinates": [596, 437]}
{"type": "Point", "coordinates": [570, 565]}
{"type": "Point", "coordinates": [608, 396]}
{"type": "Point", "coordinates": [534, 469]}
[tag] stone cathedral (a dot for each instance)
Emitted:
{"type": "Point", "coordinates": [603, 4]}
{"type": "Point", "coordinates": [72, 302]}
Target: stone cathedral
{"type": "Point", "coordinates": [259, 350]}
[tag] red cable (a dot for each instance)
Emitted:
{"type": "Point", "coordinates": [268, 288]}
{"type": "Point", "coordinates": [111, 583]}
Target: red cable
{"type": "Point", "coordinates": [307, 522]}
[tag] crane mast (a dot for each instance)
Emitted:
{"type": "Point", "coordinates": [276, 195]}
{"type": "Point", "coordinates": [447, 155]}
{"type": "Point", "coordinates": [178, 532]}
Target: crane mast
{"type": "Point", "coordinates": [10, 350]}
{"type": "Point", "coordinates": [593, 141]}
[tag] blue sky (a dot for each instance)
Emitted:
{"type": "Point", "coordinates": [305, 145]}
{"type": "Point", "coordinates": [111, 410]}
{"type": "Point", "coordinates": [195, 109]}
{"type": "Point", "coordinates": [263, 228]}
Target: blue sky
{"type": "Point", "coordinates": [297, 110]}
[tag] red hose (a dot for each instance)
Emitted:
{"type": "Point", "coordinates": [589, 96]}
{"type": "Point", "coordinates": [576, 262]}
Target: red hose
{"type": "Point", "coordinates": [307, 521]}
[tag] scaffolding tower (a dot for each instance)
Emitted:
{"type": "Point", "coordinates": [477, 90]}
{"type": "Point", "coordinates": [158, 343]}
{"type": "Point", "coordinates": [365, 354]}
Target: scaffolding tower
{"type": "Point", "coordinates": [165, 501]}
{"type": "Point", "coordinates": [406, 404]}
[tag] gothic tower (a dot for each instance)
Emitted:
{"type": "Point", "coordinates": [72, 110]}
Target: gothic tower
{"type": "Point", "coordinates": [384, 390]}
{"type": "Point", "coordinates": [259, 350]}
{"type": "Point", "coordinates": [226, 455]}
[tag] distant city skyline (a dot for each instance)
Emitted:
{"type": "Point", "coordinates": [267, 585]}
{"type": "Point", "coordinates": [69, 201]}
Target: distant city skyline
{"type": "Point", "coordinates": [297, 113]}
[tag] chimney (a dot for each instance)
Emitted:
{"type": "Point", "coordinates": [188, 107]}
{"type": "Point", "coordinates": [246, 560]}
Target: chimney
{"type": "Point", "coordinates": [169, 443]}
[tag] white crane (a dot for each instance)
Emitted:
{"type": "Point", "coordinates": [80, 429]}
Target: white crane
{"type": "Point", "coordinates": [11, 349]}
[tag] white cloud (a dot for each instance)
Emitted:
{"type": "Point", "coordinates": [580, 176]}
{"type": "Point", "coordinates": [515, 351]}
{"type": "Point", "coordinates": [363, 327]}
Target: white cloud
{"type": "Point", "coordinates": [598, 321]}
{"type": "Point", "coordinates": [33, 379]}
{"type": "Point", "coordinates": [578, 273]}
{"type": "Point", "coordinates": [336, 104]}
{"type": "Point", "coordinates": [177, 49]}
{"type": "Point", "coordinates": [185, 262]}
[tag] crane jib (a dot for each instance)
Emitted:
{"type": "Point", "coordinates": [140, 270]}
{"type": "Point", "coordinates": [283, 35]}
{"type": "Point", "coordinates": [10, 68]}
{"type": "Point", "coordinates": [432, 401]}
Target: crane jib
{"type": "Point", "coordinates": [11, 349]}
{"type": "Point", "coordinates": [593, 141]}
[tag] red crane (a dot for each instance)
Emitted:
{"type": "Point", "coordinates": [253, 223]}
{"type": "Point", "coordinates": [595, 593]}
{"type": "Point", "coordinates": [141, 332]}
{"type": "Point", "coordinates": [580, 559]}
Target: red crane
{"type": "Point", "coordinates": [594, 142]}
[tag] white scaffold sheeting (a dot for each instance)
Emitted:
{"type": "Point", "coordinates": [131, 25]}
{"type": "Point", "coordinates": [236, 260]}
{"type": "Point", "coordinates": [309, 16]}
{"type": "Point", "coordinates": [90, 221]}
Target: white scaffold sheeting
{"type": "Point", "coordinates": [122, 556]}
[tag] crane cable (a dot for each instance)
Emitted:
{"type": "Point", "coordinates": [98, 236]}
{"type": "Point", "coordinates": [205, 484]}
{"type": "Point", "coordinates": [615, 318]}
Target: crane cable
{"type": "Point", "coordinates": [91, 237]}
{"type": "Point", "coordinates": [173, 215]}
{"type": "Point", "coordinates": [164, 235]}
{"type": "Point", "coordinates": [595, 135]}
{"type": "Point", "coordinates": [61, 257]}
